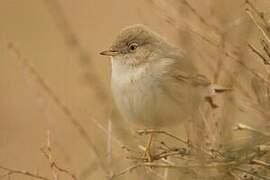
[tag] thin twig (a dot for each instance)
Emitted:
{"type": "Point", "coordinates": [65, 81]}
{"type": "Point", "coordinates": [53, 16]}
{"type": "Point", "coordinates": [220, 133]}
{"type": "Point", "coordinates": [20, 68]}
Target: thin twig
{"type": "Point", "coordinates": [257, 52]}
{"type": "Point", "coordinates": [105, 130]}
{"type": "Point", "coordinates": [261, 163]}
{"type": "Point", "coordinates": [193, 10]}
{"type": "Point", "coordinates": [250, 173]}
{"type": "Point", "coordinates": [235, 59]}
{"type": "Point", "coordinates": [149, 131]}
{"type": "Point", "coordinates": [109, 146]}
{"type": "Point", "coordinates": [22, 172]}
{"type": "Point", "coordinates": [47, 151]}
{"type": "Point", "coordinates": [258, 26]}
{"type": "Point", "coordinates": [258, 13]}
{"type": "Point", "coordinates": [210, 165]}
{"type": "Point", "coordinates": [109, 141]}
{"type": "Point", "coordinates": [248, 128]}
{"type": "Point", "coordinates": [173, 166]}
{"type": "Point", "coordinates": [266, 47]}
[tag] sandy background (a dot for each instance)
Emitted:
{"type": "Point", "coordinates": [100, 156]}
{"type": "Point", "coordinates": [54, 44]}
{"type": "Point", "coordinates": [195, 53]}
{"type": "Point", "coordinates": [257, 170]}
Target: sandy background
{"type": "Point", "coordinates": [26, 109]}
{"type": "Point", "coordinates": [61, 41]}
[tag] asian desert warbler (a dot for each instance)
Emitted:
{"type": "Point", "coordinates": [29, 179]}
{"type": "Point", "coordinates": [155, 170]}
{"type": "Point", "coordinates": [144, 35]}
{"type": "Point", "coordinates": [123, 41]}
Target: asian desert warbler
{"type": "Point", "coordinates": [153, 83]}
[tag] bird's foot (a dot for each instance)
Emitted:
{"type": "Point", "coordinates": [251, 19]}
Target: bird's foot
{"type": "Point", "coordinates": [147, 152]}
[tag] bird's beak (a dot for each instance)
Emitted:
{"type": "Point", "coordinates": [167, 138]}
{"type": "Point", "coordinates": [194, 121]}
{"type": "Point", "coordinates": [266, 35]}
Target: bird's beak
{"type": "Point", "coordinates": [109, 53]}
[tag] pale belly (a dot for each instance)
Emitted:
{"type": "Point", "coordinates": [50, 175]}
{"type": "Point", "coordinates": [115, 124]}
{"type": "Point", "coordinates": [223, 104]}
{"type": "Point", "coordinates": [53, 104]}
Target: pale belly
{"type": "Point", "coordinates": [148, 105]}
{"type": "Point", "coordinates": [141, 98]}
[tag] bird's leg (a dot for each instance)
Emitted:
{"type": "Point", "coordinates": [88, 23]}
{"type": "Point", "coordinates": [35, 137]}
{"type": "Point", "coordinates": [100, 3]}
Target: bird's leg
{"type": "Point", "coordinates": [147, 151]}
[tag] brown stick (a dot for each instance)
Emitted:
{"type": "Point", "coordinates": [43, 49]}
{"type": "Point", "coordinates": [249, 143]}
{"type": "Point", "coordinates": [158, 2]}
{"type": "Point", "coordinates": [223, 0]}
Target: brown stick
{"type": "Point", "coordinates": [253, 49]}
{"type": "Point", "coordinates": [26, 173]}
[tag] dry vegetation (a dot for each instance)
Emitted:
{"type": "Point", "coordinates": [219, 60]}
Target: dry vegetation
{"type": "Point", "coordinates": [229, 41]}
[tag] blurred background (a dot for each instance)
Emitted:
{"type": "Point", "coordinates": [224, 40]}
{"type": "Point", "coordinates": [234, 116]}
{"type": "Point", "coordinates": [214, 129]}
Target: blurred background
{"type": "Point", "coordinates": [52, 78]}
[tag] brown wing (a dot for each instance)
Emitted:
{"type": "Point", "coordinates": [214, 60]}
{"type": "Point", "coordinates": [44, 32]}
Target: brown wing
{"type": "Point", "coordinates": [183, 83]}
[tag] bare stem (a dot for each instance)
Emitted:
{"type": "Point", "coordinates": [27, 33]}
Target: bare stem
{"type": "Point", "coordinates": [257, 52]}
{"type": "Point", "coordinates": [22, 172]}
{"type": "Point", "coordinates": [248, 128]}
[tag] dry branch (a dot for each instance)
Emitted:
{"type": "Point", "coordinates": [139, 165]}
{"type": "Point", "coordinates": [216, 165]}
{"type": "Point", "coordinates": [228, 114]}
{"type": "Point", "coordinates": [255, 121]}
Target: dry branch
{"type": "Point", "coordinates": [258, 26]}
{"type": "Point", "coordinates": [47, 151]}
{"type": "Point", "coordinates": [248, 128]}
{"type": "Point", "coordinates": [22, 172]}
{"type": "Point", "coordinates": [258, 53]}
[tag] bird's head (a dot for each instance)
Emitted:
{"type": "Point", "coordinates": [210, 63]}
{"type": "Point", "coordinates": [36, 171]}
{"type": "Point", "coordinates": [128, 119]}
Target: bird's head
{"type": "Point", "coordinates": [136, 45]}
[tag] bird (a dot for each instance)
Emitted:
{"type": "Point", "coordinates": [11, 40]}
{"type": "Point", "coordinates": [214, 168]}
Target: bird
{"type": "Point", "coordinates": [154, 84]}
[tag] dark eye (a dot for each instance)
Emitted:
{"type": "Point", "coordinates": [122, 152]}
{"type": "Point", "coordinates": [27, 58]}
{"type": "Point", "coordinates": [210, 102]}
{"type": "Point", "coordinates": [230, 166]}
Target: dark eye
{"type": "Point", "coordinates": [132, 46]}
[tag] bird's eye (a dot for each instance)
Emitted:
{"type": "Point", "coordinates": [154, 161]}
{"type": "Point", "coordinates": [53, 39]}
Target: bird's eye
{"type": "Point", "coordinates": [132, 46]}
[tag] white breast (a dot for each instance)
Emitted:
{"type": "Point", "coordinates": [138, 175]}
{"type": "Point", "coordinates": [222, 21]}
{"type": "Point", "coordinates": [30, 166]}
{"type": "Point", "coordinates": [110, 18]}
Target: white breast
{"type": "Point", "coordinates": [138, 94]}
{"type": "Point", "coordinates": [131, 89]}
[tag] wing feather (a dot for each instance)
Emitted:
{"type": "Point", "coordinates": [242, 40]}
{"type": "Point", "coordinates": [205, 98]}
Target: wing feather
{"type": "Point", "coordinates": [184, 84]}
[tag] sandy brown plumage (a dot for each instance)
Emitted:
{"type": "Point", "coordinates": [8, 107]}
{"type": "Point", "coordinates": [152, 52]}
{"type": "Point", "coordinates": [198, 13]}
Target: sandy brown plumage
{"type": "Point", "coordinates": [154, 83]}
